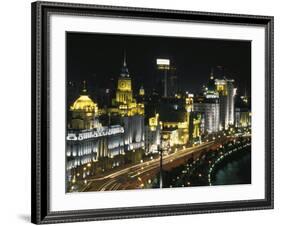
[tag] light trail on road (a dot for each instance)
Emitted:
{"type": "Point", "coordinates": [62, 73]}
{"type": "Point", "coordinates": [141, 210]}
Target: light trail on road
{"type": "Point", "coordinates": [111, 181]}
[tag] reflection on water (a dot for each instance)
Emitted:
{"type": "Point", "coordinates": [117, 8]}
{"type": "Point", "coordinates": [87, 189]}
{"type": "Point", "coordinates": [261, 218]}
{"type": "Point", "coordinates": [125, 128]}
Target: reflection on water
{"type": "Point", "coordinates": [233, 169]}
{"type": "Point", "coordinates": [236, 171]}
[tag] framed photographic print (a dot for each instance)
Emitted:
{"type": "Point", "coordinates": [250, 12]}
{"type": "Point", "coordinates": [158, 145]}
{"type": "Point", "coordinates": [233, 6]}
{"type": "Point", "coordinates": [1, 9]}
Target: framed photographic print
{"type": "Point", "coordinates": [146, 112]}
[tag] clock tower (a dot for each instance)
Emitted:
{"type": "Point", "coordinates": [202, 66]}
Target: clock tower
{"type": "Point", "coordinates": [125, 103]}
{"type": "Point", "coordinates": [124, 94]}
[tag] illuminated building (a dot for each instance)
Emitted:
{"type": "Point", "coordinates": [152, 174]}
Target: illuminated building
{"type": "Point", "coordinates": [173, 115]}
{"type": "Point", "coordinates": [86, 146]}
{"type": "Point", "coordinates": [152, 134]}
{"type": "Point", "coordinates": [133, 132]}
{"type": "Point", "coordinates": [242, 117]}
{"type": "Point", "coordinates": [196, 123]}
{"type": "Point", "coordinates": [195, 127]}
{"type": "Point", "coordinates": [84, 111]}
{"type": "Point", "coordinates": [245, 98]}
{"type": "Point", "coordinates": [172, 86]}
{"type": "Point", "coordinates": [210, 90]}
{"type": "Point", "coordinates": [129, 112]}
{"type": "Point", "coordinates": [189, 102]}
{"type": "Point", "coordinates": [87, 139]}
{"type": "Point", "coordinates": [227, 93]}
{"type": "Point", "coordinates": [218, 104]}
{"type": "Point", "coordinates": [167, 78]}
{"type": "Point", "coordinates": [124, 101]}
{"type": "Point", "coordinates": [164, 65]}
{"type": "Point", "coordinates": [209, 108]}
{"type": "Point", "coordinates": [195, 120]}
{"type": "Point", "coordinates": [141, 91]}
{"type": "Point", "coordinates": [243, 112]}
{"type": "Point", "coordinates": [170, 138]}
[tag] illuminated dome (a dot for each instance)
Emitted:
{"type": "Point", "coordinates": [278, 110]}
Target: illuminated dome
{"type": "Point", "coordinates": [85, 103]}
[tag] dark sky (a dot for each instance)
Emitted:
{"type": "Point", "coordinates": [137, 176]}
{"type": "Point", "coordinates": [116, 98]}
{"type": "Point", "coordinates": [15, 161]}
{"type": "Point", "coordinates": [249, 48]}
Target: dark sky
{"type": "Point", "coordinates": [98, 57]}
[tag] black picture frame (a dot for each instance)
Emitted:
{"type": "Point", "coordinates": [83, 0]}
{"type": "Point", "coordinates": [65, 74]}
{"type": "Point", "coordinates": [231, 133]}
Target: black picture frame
{"type": "Point", "coordinates": [40, 212]}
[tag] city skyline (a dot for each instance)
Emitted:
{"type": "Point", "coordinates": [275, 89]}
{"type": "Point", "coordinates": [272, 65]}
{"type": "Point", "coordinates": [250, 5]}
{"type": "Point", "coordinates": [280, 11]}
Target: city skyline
{"type": "Point", "coordinates": [147, 125]}
{"type": "Point", "coordinates": [89, 55]}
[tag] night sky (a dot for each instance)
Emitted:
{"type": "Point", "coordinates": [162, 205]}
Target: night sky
{"type": "Point", "coordinates": [98, 58]}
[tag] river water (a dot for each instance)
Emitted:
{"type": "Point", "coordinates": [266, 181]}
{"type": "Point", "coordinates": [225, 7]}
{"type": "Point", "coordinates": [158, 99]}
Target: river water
{"type": "Point", "coordinates": [236, 170]}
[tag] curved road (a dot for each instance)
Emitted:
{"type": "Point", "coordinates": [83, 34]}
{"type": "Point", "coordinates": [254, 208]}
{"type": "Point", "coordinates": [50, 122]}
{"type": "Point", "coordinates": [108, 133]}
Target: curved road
{"type": "Point", "coordinates": [133, 176]}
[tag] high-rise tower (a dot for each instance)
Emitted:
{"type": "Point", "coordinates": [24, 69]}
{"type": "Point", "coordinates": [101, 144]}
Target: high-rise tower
{"type": "Point", "coordinates": [227, 92]}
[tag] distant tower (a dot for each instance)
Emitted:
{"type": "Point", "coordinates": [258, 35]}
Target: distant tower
{"type": "Point", "coordinates": [209, 108]}
{"type": "Point", "coordinates": [212, 74]}
{"type": "Point", "coordinates": [124, 70]}
{"type": "Point", "coordinates": [189, 102]}
{"type": "Point", "coordinates": [84, 89]}
{"type": "Point", "coordinates": [243, 111]}
{"type": "Point", "coordinates": [124, 92]}
{"type": "Point", "coordinates": [245, 98]}
{"type": "Point", "coordinates": [210, 89]}
{"type": "Point", "coordinates": [141, 91]}
{"type": "Point", "coordinates": [164, 65]}
{"type": "Point", "coordinates": [128, 111]}
{"type": "Point", "coordinates": [227, 92]}
{"type": "Point", "coordinates": [126, 103]}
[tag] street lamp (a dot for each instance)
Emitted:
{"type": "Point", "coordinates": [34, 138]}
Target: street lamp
{"type": "Point", "coordinates": [161, 166]}
{"type": "Point", "coordinates": [160, 151]}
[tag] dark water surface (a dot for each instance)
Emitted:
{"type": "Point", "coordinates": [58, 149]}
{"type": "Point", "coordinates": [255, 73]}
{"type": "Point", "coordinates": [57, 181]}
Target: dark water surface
{"type": "Point", "coordinates": [233, 169]}
{"type": "Point", "coordinates": [236, 170]}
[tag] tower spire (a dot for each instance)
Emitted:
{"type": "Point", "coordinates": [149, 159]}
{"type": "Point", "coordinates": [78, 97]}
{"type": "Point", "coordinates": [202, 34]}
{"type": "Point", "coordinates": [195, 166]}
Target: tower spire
{"type": "Point", "coordinates": [212, 73]}
{"type": "Point", "coordinates": [124, 62]}
{"type": "Point", "coordinates": [84, 90]}
{"type": "Point", "coordinates": [125, 71]}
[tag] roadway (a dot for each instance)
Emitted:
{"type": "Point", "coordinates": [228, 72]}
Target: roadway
{"type": "Point", "coordinates": [135, 176]}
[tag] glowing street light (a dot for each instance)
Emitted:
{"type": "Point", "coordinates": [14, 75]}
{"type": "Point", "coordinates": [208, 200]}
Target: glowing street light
{"type": "Point", "coordinates": [161, 166]}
